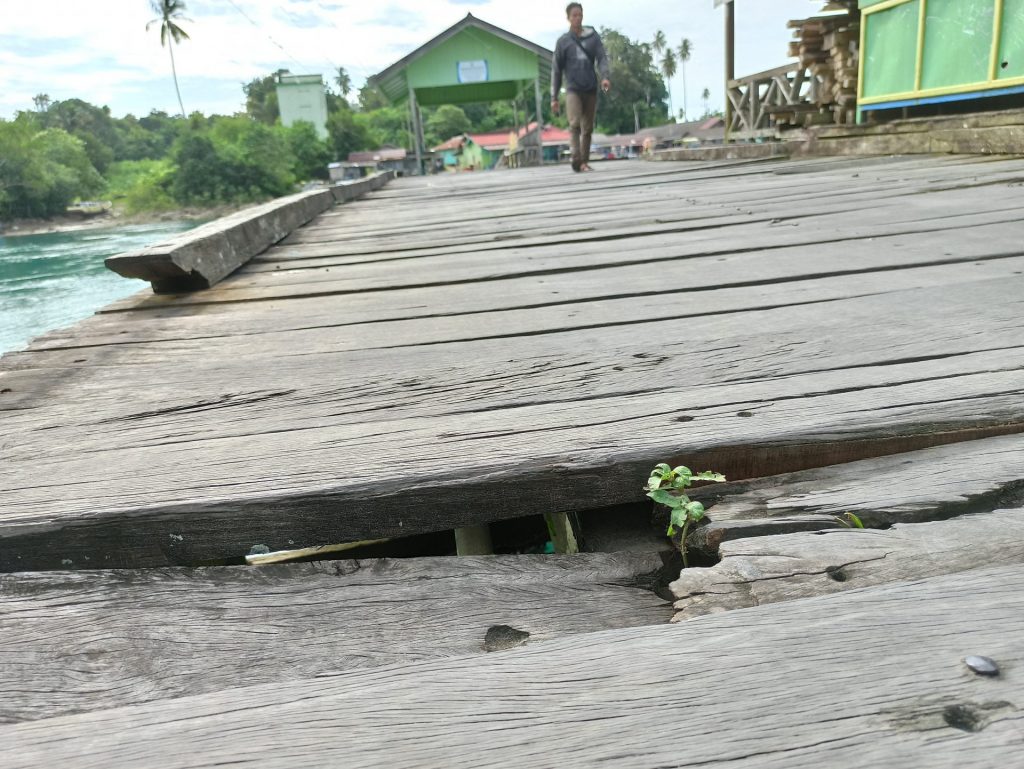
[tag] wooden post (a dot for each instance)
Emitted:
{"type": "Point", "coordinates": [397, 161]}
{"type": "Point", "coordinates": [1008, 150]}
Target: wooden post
{"type": "Point", "coordinates": [730, 61]}
{"type": "Point", "coordinates": [474, 540]}
{"type": "Point", "coordinates": [562, 535]}
{"type": "Point", "coordinates": [417, 129]}
{"type": "Point", "coordinates": [540, 121]}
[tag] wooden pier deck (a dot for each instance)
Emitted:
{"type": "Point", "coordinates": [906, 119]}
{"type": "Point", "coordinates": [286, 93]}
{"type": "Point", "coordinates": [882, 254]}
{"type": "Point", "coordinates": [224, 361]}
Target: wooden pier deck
{"type": "Point", "coordinates": [832, 334]}
{"type": "Point", "coordinates": [453, 350]}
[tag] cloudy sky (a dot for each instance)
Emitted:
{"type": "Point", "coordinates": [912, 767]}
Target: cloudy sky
{"type": "Point", "coordinates": [101, 51]}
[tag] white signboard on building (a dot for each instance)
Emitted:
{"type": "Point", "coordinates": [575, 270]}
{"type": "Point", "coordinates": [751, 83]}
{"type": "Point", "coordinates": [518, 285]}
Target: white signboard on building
{"type": "Point", "coordinates": [473, 71]}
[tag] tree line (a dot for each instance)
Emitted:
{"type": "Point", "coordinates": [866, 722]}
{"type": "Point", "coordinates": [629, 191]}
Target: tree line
{"type": "Point", "coordinates": [62, 151]}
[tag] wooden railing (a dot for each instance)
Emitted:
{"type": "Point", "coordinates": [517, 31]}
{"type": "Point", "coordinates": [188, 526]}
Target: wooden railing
{"type": "Point", "coordinates": [753, 98]}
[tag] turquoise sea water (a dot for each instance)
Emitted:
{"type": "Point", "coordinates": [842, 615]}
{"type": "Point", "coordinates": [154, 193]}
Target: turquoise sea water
{"type": "Point", "coordinates": [53, 280]}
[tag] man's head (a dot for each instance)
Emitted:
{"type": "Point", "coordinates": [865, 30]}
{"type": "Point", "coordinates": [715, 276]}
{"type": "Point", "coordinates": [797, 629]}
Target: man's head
{"type": "Point", "coordinates": [574, 13]}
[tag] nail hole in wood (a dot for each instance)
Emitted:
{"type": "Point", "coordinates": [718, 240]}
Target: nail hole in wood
{"type": "Point", "coordinates": [836, 573]}
{"type": "Point", "coordinates": [962, 717]}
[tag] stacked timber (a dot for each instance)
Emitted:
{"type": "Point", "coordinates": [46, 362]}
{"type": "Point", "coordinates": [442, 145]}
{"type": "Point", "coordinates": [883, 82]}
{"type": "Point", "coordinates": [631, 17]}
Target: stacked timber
{"type": "Point", "coordinates": [827, 46]}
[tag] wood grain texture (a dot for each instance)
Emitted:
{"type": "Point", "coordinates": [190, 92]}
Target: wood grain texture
{"type": "Point", "coordinates": [90, 640]}
{"type": "Point", "coordinates": [870, 678]}
{"type": "Point", "coordinates": [730, 315]}
{"type": "Point", "coordinates": [932, 484]}
{"type": "Point", "coordinates": [760, 570]}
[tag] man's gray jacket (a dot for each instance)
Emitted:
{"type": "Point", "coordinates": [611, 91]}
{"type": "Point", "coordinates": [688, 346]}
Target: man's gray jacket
{"type": "Point", "coordinates": [570, 60]}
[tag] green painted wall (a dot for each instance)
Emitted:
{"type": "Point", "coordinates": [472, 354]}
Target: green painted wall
{"type": "Point", "coordinates": [957, 42]}
{"type": "Point", "coordinates": [957, 52]}
{"type": "Point", "coordinates": [475, 155]}
{"type": "Point", "coordinates": [468, 93]}
{"type": "Point", "coordinates": [1011, 41]}
{"type": "Point", "coordinates": [890, 46]}
{"type": "Point", "coordinates": [505, 61]}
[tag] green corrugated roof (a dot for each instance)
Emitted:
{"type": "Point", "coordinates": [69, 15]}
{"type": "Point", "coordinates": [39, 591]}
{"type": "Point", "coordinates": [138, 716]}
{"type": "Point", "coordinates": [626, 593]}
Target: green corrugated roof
{"type": "Point", "coordinates": [393, 82]}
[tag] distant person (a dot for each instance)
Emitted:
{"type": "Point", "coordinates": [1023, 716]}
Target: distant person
{"type": "Point", "coordinates": [576, 54]}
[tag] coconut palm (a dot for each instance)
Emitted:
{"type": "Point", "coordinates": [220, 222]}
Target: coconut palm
{"type": "Point", "coordinates": [170, 13]}
{"type": "Point", "coordinates": [685, 50]}
{"type": "Point", "coordinates": [706, 96]}
{"type": "Point", "coordinates": [668, 69]}
{"type": "Point", "coordinates": [660, 43]}
{"type": "Point", "coordinates": [343, 81]}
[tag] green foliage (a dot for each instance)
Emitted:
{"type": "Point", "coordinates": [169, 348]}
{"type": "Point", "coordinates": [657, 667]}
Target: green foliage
{"type": "Point", "coordinates": [349, 132]}
{"type": "Point", "coordinates": [343, 81]}
{"type": "Point", "coordinates": [234, 159]}
{"type": "Point", "coordinates": [489, 117]}
{"type": "Point", "coordinates": [310, 154]}
{"type": "Point", "coordinates": [261, 99]}
{"type": "Point", "coordinates": [638, 92]}
{"type": "Point", "coordinates": [90, 124]}
{"type": "Point", "coordinates": [42, 171]}
{"type": "Point", "coordinates": [665, 487]}
{"type": "Point", "coordinates": [388, 126]}
{"type": "Point", "coordinates": [850, 521]}
{"type": "Point", "coordinates": [371, 99]}
{"type": "Point", "coordinates": [445, 122]}
{"type": "Point", "coordinates": [141, 185]}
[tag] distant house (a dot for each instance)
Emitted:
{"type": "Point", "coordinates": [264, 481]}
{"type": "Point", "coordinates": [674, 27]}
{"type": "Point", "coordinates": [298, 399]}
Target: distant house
{"type": "Point", "coordinates": [492, 150]}
{"type": "Point", "coordinates": [302, 97]}
{"type": "Point", "coordinates": [473, 152]}
{"type": "Point", "coordinates": [694, 133]}
{"type": "Point", "coordinates": [386, 159]}
{"type": "Point", "coordinates": [344, 172]}
{"type": "Point", "coordinates": [554, 141]}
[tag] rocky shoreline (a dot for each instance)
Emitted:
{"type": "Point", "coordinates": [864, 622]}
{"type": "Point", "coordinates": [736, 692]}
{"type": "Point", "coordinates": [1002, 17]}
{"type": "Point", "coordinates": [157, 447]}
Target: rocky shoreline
{"type": "Point", "coordinates": [113, 218]}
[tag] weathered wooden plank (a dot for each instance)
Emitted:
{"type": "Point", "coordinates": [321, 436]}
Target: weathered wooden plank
{"type": "Point", "coordinates": [927, 485]}
{"type": "Point", "coordinates": [206, 255]}
{"type": "Point", "coordinates": [213, 498]}
{"type": "Point", "coordinates": [559, 301]}
{"type": "Point", "coordinates": [160, 432]}
{"type": "Point", "coordinates": [564, 365]}
{"type": "Point", "coordinates": [253, 436]}
{"type": "Point", "coordinates": [662, 243]}
{"type": "Point", "coordinates": [201, 257]}
{"type": "Point", "coordinates": [762, 570]}
{"type": "Point", "coordinates": [941, 203]}
{"type": "Point", "coordinates": [80, 641]}
{"type": "Point", "coordinates": [870, 678]}
{"type": "Point", "coordinates": [942, 482]}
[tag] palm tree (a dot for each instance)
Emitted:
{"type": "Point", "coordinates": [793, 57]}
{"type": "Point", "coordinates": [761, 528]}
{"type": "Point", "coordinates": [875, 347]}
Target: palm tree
{"type": "Point", "coordinates": [685, 50]}
{"type": "Point", "coordinates": [706, 96]}
{"type": "Point", "coordinates": [668, 69]}
{"type": "Point", "coordinates": [170, 13]}
{"type": "Point", "coordinates": [343, 81]}
{"type": "Point", "coordinates": [659, 43]}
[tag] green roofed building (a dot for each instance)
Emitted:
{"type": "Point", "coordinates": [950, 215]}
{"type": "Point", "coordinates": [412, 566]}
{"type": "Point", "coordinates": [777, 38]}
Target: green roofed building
{"type": "Point", "coordinates": [472, 61]}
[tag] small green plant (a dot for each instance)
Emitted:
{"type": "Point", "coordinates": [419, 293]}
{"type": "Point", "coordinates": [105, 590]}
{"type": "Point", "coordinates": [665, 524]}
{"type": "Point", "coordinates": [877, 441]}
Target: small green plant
{"type": "Point", "coordinates": [849, 520]}
{"type": "Point", "coordinates": [665, 487]}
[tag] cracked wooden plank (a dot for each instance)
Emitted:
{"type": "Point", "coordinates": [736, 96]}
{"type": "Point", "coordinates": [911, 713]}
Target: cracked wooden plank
{"type": "Point", "coordinates": [918, 486]}
{"type": "Point", "coordinates": [762, 570]}
{"type": "Point", "coordinates": [871, 678]}
{"type": "Point", "coordinates": [211, 425]}
{"type": "Point", "coordinates": [81, 641]}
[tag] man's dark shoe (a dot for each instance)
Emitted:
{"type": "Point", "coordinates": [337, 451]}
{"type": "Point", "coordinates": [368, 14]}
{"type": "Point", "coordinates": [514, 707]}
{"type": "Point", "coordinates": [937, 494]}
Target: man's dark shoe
{"type": "Point", "coordinates": [576, 165]}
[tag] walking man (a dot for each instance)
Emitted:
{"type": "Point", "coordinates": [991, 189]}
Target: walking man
{"type": "Point", "coordinates": [576, 54]}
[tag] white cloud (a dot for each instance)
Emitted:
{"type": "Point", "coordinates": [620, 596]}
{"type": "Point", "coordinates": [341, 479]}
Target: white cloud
{"type": "Point", "coordinates": [105, 55]}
